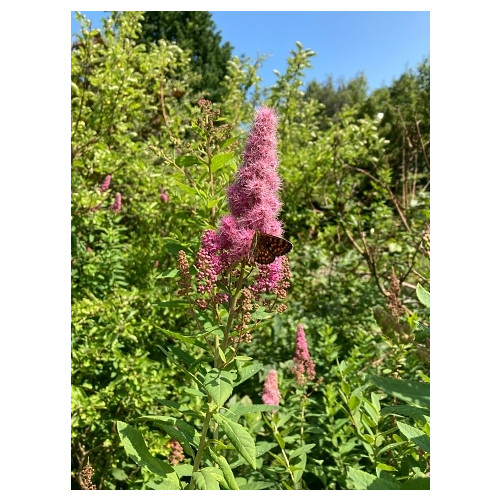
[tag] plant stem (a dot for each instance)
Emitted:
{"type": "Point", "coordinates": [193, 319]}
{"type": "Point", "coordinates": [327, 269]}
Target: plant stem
{"type": "Point", "coordinates": [232, 307]}
{"type": "Point", "coordinates": [201, 447]}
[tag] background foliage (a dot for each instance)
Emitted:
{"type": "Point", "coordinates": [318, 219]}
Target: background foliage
{"type": "Point", "coordinates": [356, 207]}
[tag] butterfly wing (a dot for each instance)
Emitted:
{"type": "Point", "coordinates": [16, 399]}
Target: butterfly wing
{"type": "Point", "coordinates": [268, 247]}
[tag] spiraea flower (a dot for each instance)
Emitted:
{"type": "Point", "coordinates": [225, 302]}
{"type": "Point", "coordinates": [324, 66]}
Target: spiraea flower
{"type": "Point", "coordinates": [271, 394]}
{"type": "Point", "coordinates": [176, 452]}
{"type": "Point", "coordinates": [253, 199]}
{"type": "Point", "coordinates": [163, 195]}
{"type": "Point", "coordinates": [304, 368]}
{"type": "Point", "coordinates": [254, 206]}
{"type": "Point", "coordinates": [105, 184]}
{"type": "Point", "coordinates": [117, 205]}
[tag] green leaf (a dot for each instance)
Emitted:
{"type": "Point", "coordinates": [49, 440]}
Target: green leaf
{"type": "Point", "coordinates": [182, 338]}
{"type": "Point", "coordinates": [219, 385]}
{"type": "Point", "coordinates": [187, 161]}
{"type": "Point", "coordinates": [417, 483]}
{"type": "Point", "coordinates": [161, 484]}
{"type": "Point", "coordinates": [176, 429]}
{"type": "Point", "coordinates": [302, 449]}
{"type": "Point", "coordinates": [187, 189]}
{"type": "Point", "coordinates": [218, 161]}
{"type": "Point", "coordinates": [262, 314]}
{"type": "Point", "coordinates": [246, 371]}
{"type": "Point", "coordinates": [261, 448]}
{"type": "Point", "coordinates": [386, 467]}
{"type": "Point", "coordinates": [179, 365]}
{"type": "Point", "coordinates": [119, 474]}
{"type": "Point", "coordinates": [168, 274]}
{"type": "Point", "coordinates": [364, 481]}
{"type": "Point", "coordinates": [405, 410]}
{"type": "Point", "coordinates": [238, 409]}
{"type": "Point", "coordinates": [172, 304]}
{"type": "Point", "coordinates": [420, 438]}
{"type": "Point", "coordinates": [239, 437]}
{"type": "Point", "coordinates": [183, 470]}
{"type": "Point", "coordinates": [372, 411]}
{"type": "Point", "coordinates": [411, 391]}
{"type": "Point", "coordinates": [254, 485]}
{"type": "Point", "coordinates": [423, 295]}
{"type": "Point", "coordinates": [225, 468]}
{"type": "Point", "coordinates": [205, 480]}
{"type": "Point", "coordinates": [173, 247]}
{"type": "Point", "coordinates": [136, 449]}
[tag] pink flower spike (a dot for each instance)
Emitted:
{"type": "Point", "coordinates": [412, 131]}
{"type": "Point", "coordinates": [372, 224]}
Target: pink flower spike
{"type": "Point", "coordinates": [117, 205]}
{"type": "Point", "coordinates": [304, 366]}
{"type": "Point", "coordinates": [105, 184]}
{"type": "Point", "coordinates": [253, 197]}
{"type": "Point", "coordinates": [271, 394]}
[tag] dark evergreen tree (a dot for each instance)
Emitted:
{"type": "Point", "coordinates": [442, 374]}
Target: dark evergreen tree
{"type": "Point", "coordinates": [193, 31]}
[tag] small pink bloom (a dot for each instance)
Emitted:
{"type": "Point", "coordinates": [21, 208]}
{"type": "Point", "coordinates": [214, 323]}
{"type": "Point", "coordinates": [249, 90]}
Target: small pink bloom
{"type": "Point", "coordinates": [271, 393]}
{"type": "Point", "coordinates": [176, 452]}
{"type": "Point", "coordinates": [163, 195]}
{"type": "Point", "coordinates": [304, 366]}
{"type": "Point", "coordinates": [117, 205]}
{"type": "Point", "coordinates": [105, 184]}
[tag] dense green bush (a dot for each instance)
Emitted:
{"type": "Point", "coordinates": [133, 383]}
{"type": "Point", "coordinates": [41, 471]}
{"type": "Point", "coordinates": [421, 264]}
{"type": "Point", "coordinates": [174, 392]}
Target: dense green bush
{"type": "Point", "coordinates": [356, 208]}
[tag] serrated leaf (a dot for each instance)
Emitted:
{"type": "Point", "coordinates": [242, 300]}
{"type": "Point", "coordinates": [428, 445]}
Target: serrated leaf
{"type": "Point", "coordinates": [298, 467]}
{"type": "Point", "coordinates": [205, 480]}
{"type": "Point", "coordinates": [262, 314]}
{"type": "Point", "coordinates": [239, 437]}
{"type": "Point", "coordinates": [168, 274]}
{"type": "Point", "coordinates": [255, 485]}
{"type": "Point", "coordinates": [405, 410]}
{"type": "Point", "coordinates": [218, 161]}
{"type": "Point", "coordinates": [364, 481]}
{"type": "Point", "coordinates": [261, 448]}
{"type": "Point", "coordinates": [181, 338]}
{"type": "Point", "coordinates": [423, 295]}
{"type": "Point", "coordinates": [178, 430]}
{"type": "Point", "coordinates": [161, 484]}
{"type": "Point", "coordinates": [136, 449]}
{"type": "Point", "coordinates": [184, 187]}
{"type": "Point", "coordinates": [420, 438]}
{"type": "Point", "coordinates": [302, 449]}
{"type": "Point", "coordinates": [246, 371]}
{"type": "Point", "coordinates": [183, 470]}
{"type": "Point", "coordinates": [219, 385]}
{"type": "Point", "coordinates": [225, 468]}
{"type": "Point", "coordinates": [237, 410]}
{"type": "Point", "coordinates": [187, 161]}
{"type": "Point", "coordinates": [411, 391]}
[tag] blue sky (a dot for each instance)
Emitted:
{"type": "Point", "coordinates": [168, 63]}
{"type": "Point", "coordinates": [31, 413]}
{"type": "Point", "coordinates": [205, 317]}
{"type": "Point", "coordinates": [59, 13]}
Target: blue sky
{"type": "Point", "coordinates": [380, 44]}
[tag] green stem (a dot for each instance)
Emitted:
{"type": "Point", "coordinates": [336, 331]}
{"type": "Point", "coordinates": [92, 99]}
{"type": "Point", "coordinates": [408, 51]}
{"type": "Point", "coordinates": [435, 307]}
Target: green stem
{"type": "Point", "coordinates": [287, 462]}
{"type": "Point", "coordinates": [302, 418]}
{"type": "Point", "coordinates": [201, 447]}
{"type": "Point", "coordinates": [232, 307]}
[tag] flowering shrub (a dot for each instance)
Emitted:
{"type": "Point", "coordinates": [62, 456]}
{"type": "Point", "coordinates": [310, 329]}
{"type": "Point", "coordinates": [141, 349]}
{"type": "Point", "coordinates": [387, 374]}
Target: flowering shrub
{"type": "Point", "coordinates": [244, 400]}
{"type": "Point", "coordinates": [233, 295]}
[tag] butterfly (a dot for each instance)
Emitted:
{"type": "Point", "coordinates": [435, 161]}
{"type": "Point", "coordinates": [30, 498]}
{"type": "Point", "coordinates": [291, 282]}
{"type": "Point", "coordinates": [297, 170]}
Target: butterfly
{"type": "Point", "coordinates": [266, 247]}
